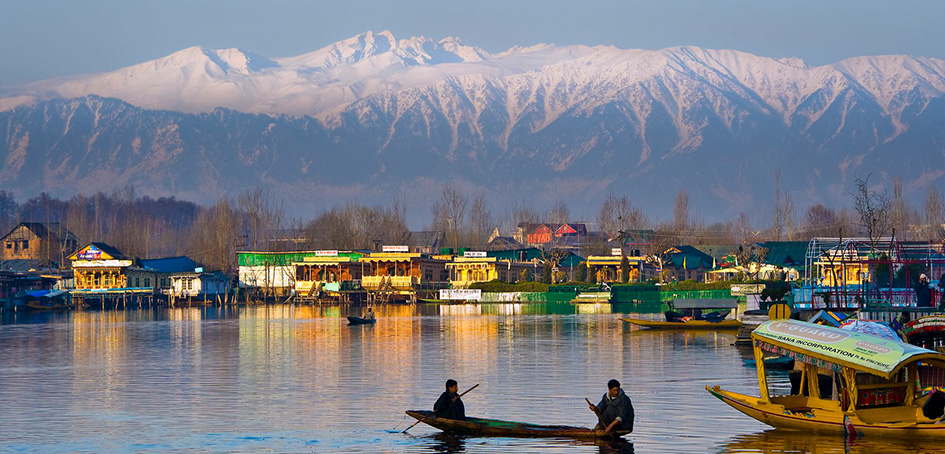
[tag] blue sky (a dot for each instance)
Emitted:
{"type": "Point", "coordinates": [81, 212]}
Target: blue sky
{"type": "Point", "coordinates": [41, 39]}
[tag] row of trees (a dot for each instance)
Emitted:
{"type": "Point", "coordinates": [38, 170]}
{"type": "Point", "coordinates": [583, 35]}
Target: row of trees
{"type": "Point", "coordinates": [256, 220]}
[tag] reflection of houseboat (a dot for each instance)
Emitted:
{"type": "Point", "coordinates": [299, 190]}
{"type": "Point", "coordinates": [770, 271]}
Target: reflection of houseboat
{"type": "Point", "coordinates": [850, 381]}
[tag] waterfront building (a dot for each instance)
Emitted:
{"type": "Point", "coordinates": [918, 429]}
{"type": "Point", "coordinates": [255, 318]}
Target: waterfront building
{"type": "Point", "coordinates": [425, 242]}
{"type": "Point", "coordinates": [546, 233]}
{"type": "Point", "coordinates": [328, 274]}
{"type": "Point", "coordinates": [98, 266]}
{"type": "Point", "coordinates": [271, 274]}
{"type": "Point", "coordinates": [606, 268]}
{"type": "Point", "coordinates": [42, 244]}
{"type": "Point", "coordinates": [471, 268]}
{"type": "Point", "coordinates": [532, 257]}
{"type": "Point", "coordinates": [199, 284]}
{"type": "Point", "coordinates": [687, 263]}
{"type": "Point", "coordinates": [101, 277]}
{"type": "Point", "coordinates": [398, 276]}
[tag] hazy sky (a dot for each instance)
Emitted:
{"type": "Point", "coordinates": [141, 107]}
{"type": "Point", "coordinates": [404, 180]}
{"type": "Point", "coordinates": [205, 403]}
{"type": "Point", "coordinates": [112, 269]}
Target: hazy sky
{"type": "Point", "coordinates": [40, 39]}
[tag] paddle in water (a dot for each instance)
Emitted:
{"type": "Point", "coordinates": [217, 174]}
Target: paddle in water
{"type": "Point", "coordinates": [434, 412]}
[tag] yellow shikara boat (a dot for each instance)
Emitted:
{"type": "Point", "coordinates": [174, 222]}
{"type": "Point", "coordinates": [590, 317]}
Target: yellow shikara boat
{"type": "Point", "coordinates": [875, 385]}
{"type": "Point", "coordinates": [692, 314]}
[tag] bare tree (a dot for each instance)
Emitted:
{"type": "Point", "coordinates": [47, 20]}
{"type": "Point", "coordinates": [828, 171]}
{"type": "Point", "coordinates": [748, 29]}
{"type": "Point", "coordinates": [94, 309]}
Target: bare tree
{"type": "Point", "coordinates": [899, 213]}
{"type": "Point", "coordinates": [934, 216]}
{"type": "Point", "coordinates": [821, 221]}
{"type": "Point", "coordinates": [751, 256]}
{"type": "Point", "coordinates": [681, 211]}
{"type": "Point", "coordinates": [355, 226]}
{"type": "Point", "coordinates": [8, 211]}
{"type": "Point", "coordinates": [684, 226]}
{"type": "Point", "coordinates": [481, 219]}
{"type": "Point", "coordinates": [662, 249]}
{"type": "Point", "coordinates": [214, 234]}
{"type": "Point", "coordinates": [265, 215]}
{"type": "Point", "coordinates": [559, 214]}
{"type": "Point", "coordinates": [782, 225]}
{"type": "Point", "coordinates": [873, 209]}
{"type": "Point", "coordinates": [617, 215]}
{"type": "Point", "coordinates": [453, 205]}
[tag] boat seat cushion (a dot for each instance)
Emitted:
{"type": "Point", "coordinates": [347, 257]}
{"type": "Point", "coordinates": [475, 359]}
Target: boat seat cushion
{"type": "Point", "coordinates": [877, 397]}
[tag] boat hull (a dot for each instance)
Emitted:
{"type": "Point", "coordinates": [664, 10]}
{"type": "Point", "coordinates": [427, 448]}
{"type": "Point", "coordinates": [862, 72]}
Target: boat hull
{"type": "Point", "coordinates": [498, 428]}
{"type": "Point", "coordinates": [827, 421]}
{"type": "Point", "coordinates": [361, 321]}
{"type": "Point", "coordinates": [692, 324]}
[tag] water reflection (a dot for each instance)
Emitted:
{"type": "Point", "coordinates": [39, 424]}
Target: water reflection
{"type": "Point", "coordinates": [451, 444]}
{"type": "Point", "coordinates": [289, 378]}
{"type": "Point", "coordinates": [785, 441]}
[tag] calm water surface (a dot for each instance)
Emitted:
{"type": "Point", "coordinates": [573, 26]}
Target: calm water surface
{"type": "Point", "coordinates": [299, 379]}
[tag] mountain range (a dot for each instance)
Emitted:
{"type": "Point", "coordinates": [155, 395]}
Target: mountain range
{"type": "Point", "coordinates": [373, 116]}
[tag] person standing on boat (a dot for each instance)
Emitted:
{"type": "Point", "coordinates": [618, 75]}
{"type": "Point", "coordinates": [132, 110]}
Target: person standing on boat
{"type": "Point", "coordinates": [450, 405]}
{"type": "Point", "coordinates": [923, 294]}
{"type": "Point", "coordinates": [615, 408]}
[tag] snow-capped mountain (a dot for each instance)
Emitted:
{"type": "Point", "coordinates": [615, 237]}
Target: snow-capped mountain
{"type": "Point", "coordinates": [373, 113]}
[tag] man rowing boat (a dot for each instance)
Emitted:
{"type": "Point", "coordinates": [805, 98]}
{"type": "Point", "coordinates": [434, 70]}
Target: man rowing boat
{"type": "Point", "coordinates": [615, 409]}
{"type": "Point", "coordinates": [450, 404]}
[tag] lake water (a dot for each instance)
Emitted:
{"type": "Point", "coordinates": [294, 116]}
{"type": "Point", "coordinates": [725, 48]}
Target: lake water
{"type": "Point", "coordinates": [298, 379]}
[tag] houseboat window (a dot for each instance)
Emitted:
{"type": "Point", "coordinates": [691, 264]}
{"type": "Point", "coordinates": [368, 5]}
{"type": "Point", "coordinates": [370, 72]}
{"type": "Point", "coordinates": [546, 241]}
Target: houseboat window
{"type": "Point", "coordinates": [9, 245]}
{"type": "Point", "coordinates": [137, 282]}
{"type": "Point", "coordinates": [26, 245]}
{"type": "Point", "coordinates": [147, 282]}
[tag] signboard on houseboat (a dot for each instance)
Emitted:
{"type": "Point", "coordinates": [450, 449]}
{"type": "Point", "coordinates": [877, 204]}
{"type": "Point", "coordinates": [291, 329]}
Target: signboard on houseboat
{"type": "Point", "coordinates": [747, 289]}
{"type": "Point", "coordinates": [461, 294]}
{"type": "Point", "coordinates": [327, 253]}
{"type": "Point", "coordinates": [91, 252]}
{"type": "Point", "coordinates": [616, 251]}
{"type": "Point", "coordinates": [395, 249]}
{"type": "Point", "coordinates": [474, 254]}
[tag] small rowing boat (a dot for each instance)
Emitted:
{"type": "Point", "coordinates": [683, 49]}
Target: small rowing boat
{"type": "Point", "coordinates": [499, 428]}
{"type": "Point", "coordinates": [691, 314]}
{"type": "Point", "coordinates": [361, 321]}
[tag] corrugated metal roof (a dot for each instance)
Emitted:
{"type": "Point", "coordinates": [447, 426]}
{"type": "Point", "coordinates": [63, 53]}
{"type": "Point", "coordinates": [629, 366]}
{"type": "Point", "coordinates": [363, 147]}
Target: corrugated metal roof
{"type": "Point", "coordinates": [169, 264]}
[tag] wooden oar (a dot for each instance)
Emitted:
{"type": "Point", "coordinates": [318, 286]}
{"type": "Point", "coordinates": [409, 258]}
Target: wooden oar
{"type": "Point", "coordinates": [599, 419]}
{"type": "Point", "coordinates": [434, 410]}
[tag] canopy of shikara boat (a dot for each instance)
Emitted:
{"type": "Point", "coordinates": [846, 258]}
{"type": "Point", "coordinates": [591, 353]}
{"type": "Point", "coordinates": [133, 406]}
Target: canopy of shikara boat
{"type": "Point", "coordinates": [833, 348]}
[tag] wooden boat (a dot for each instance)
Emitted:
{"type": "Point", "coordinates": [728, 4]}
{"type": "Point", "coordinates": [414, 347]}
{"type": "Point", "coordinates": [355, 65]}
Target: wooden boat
{"type": "Point", "coordinates": [499, 428]}
{"type": "Point", "coordinates": [872, 383]}
{"type": "Point", "coordinates": [361, 321]}
{"type": "Point", "coordinates": [691, 314]}
{"type": "Point", "coordinates": [53, 300]}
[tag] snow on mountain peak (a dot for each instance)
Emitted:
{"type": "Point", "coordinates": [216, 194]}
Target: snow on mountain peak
{"type": "Point", "coordinates": [244, 62]}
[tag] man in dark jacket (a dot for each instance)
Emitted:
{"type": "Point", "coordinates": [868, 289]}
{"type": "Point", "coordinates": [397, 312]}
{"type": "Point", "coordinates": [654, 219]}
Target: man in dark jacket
{"type": "Point", "coordinates": [450, 405]}
{"type": "Point", "coordinates": [923, 294]}
{"type": "Point", "coordinates": [615, 409]}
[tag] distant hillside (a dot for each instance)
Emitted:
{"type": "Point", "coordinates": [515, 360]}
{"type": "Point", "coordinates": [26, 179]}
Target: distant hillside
{"type": "Point", "coordinates": [373, 116]}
